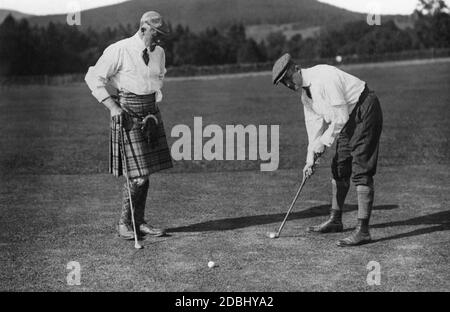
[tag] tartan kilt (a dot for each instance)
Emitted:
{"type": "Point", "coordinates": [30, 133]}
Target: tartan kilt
{"type": "Point", "coordinates": [142, 157]}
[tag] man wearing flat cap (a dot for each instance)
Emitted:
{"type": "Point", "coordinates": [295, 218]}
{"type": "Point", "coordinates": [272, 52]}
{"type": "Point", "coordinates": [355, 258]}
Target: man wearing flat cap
{"type": "Point", "coordinates": [135, 67]}
{"type": "Point", "coordinates": [338, 107]}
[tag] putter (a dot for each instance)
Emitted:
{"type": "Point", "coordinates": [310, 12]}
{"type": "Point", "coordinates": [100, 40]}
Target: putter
{"type": "Point", "coordinates": [136, 243]}
{"type": "Point", "coordinates": [277, 234]}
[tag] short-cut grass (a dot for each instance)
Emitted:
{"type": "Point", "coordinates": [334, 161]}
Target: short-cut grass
{"type": "Point", "coordinates": [58, 204]}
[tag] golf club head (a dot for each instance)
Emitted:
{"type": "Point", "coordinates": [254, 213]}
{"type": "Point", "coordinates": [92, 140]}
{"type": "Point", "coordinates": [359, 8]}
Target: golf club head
{"type": "Point", "coordinates": [138, 246]}
{"type": "Point", "coordinates": [272, 235]}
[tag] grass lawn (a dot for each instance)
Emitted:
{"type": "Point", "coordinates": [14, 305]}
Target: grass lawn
{"type": "Point", "coordinates": [59, 205]}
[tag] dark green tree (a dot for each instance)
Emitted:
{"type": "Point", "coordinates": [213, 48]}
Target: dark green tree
{"type": "Point", "coordinates": [432, 24]}
{"type": "Point", "coordinates": [235, 40]}
{"type": "Point", "coordinates": [276, 45]}
{"type": "Point", "coordinates": [210, 48]}
{"type": "Point", "coordinates": [250, 52]}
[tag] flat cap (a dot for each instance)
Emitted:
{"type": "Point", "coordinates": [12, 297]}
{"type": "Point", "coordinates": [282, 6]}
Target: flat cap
{"type": "Point", "coordinates": [154, 20]}
{"type": "Point", "coordinates": [280, 67]}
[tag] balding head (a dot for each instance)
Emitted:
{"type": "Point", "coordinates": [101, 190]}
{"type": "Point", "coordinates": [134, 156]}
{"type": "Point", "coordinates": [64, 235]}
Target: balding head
{"type": "Point", "coordinates": [151, 28]}
{"type": "Point", "coordinates": [153, 19]}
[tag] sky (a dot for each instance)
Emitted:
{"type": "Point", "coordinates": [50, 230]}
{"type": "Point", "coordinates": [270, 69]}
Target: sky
{"type": "Point", "coordinates": [378, 6]}
{"type": "Point", "coordinates": [42, 7]}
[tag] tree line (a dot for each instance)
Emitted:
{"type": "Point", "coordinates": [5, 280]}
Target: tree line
{"type": "Point", "coordinates": [60, 48]}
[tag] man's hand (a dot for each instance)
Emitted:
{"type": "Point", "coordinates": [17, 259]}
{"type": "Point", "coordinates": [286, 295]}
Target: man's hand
{"type": "Point", "coordinates": [113, 107]}
{"type": "Point", "coordinates": [116, 111]}
{"type": "Point", "coordinates": [318, 148]}
{"type": "Point", "coordinates": [312, 160]}
{"type": "Point", "coordinates": [308, 170]}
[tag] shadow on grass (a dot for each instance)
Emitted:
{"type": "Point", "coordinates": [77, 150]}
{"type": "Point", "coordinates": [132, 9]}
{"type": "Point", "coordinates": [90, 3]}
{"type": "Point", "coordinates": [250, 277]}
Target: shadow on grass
{"type": "Point", "coordinates": [440, 221]}
{"type": "Point", "coordinates": [243, 222]}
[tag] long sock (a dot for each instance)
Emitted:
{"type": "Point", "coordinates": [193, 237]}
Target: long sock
{"type": "Point", "coordinates": [365, 195]}
{"type": "Point", "coordinates": [363, 225]}
{"type": "Point", "coordinates": [140, 203]}
{"type": "Point", "coordinates": [125, 217]}
{"type": "Point", "coordinates": [339, 193]}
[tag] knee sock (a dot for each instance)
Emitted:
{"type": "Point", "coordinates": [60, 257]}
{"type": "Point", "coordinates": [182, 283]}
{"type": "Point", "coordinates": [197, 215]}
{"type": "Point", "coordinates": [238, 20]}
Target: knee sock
{"type": "Point", "coordinates": [339, 192]}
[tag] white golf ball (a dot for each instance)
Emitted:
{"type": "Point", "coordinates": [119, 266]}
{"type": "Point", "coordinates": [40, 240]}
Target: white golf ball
{"type": "Point", "coordinates": [272, 235]}
{"type": "Point", "coordinates": [338, 58]}
{"type": "Point", "coordinates": [211, 264]}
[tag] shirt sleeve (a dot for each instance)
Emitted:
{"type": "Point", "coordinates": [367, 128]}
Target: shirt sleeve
{"type": "Point", "coordinates": [315, 125]}
{"type": "Point", "coordinates": [339, 115]}
{"type": "Point", "coordinates": [163, 65]}
{"type": "Point", "coordinates": [98, 75]}
{"type": "Point", "coordinates": [333, 88]}
{"type": "Point", "coordinates": [162, 74]}
{"type": "Point", "coordinates": [339, 118]}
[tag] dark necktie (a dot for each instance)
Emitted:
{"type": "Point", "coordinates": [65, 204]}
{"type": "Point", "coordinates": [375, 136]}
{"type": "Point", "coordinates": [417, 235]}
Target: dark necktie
{"type": "Point", "coordinates": [308, 92]}
{"type": "Point", "coordinates": [145, 56]}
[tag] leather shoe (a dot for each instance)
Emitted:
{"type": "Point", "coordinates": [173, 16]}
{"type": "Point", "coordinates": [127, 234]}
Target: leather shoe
{"type": "Point", "coordinates": [125, 231]}
{"type": "Point", "coordinates": [332, 225]}
{"type": "Point", "coordinates": [355, 239]}
{"type": "Point", "coordinates": [146, 229]}
{"type": "Point", "coordinates": [329, 226]}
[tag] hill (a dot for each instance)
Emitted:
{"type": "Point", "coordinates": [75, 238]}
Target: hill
{"type": "Point", "coordinates": [199, 14]}
{"type": "Point", "coordinates": [260, 32]}
{"type": "Point", "coordinates": [15, 14]}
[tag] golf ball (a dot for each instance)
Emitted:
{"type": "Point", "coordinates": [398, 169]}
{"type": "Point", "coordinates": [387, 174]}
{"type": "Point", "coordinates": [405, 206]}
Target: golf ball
{"type": "Point", "coordinates": [272, 235]}
{"type": "Point", "coordinates": [211, 264]}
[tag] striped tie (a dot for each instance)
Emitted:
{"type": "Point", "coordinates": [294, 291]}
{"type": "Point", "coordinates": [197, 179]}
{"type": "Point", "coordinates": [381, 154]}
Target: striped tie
{"type": "Point", "coordinates": [145, 56]}
{"type": "Point", "coordinates": [308, 92]}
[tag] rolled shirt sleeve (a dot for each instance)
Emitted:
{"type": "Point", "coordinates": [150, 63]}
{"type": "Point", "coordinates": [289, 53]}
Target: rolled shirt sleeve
{"type": "Point", "coordinates": [163, 65]}
{"type": "Point", "coordinates": [334, 95]}
{"type": "Point", "coordinates": [339, 118]}
{"type": "Point", "coordinates": [315, 126]}
{"type": "Point", "coordinates": [159, 95]}
{"type": "Point", "coordinates": [98, 75]}
{"type": "Point", "coordinates": [338, 114]}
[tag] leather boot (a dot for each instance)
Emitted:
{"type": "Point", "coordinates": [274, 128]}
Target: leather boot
{"type": "Point", "coordinates": [139, 205]}
{"type": "Point", "coordinates": [125, 231]}
{"type": "Point", "coordinates": [141, 224]}
{"type": "Point", "coordinates": [125, 227]}
{"type": "Point", "coordinates": [361, 234]}
{"type": "Point", "coordinates": [147, 229]}
{"type": "Point", "coordinates": [334, 222]}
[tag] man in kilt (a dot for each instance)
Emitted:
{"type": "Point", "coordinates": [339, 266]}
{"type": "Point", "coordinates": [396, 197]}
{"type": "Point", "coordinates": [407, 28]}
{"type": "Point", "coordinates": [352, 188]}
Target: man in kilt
{"type": "Point", "coordinates": [338, 107]}
{"type": "Point", "coordinates": [135, 67]}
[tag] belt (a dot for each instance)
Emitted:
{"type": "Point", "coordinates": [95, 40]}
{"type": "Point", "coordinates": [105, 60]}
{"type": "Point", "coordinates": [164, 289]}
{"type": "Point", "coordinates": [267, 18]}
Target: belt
{"type": "Point", "coordinates": [133, 95]}
{"type": "Point", "coordinates": [132, 122]}
{"type": "Point", "coordinates": [148, 126]}
{"type": "Point", "coordinates": [363, 95]}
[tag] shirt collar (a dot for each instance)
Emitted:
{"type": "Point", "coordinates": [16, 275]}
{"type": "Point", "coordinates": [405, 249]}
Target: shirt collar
{"type": "Point", "coordinates": [305, 77]}
{"type": "Point", "coordinates": [138, 41]}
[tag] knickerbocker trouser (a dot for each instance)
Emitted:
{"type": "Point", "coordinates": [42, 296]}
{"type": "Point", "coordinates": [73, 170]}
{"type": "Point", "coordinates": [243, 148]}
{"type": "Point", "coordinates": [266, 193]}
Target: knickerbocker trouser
{"type": "Point", "coordinates": [358, 143]}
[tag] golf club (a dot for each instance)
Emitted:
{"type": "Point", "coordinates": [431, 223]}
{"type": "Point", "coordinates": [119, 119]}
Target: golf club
{"type": "Point", "coordinates": [305, 177]}
{"type": "Point", "coordinates": [136, 243]}
{"type": "Point", "coordinates": [277, 234]}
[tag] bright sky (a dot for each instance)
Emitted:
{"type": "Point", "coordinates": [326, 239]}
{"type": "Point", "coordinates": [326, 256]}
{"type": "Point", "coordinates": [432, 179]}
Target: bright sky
{"type": "Point", "coordinates": [378, 6]}
{"type": "Point", "coordinates": [42, 7]}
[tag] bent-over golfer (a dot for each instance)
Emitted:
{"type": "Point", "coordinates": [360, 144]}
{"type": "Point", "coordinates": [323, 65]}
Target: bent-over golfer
{"type": "Point", "coordinates": [135, 67]}
{"type": "Point", "coordinates": [338, 107]}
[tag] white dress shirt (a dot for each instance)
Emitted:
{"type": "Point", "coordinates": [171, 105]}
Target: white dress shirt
{"type": "Point", "coordinates": [334, 95]}
{"type": "Point", "coordinates": [123, 67]}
